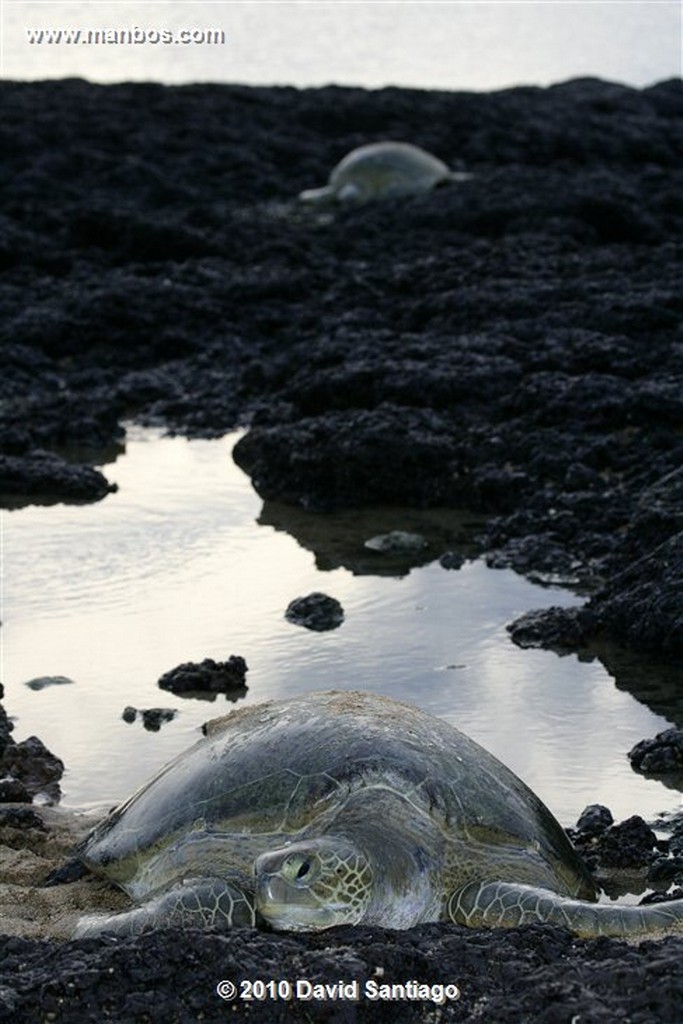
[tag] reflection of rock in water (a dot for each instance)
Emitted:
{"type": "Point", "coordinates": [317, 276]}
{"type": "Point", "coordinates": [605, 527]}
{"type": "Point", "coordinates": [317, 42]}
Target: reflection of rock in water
{"type": "Point", "coordinates": [658, 685]}
{"type": "Point", "coordinates": [397, 542]}
{"type": "Point", "coordinates": [339, 539]}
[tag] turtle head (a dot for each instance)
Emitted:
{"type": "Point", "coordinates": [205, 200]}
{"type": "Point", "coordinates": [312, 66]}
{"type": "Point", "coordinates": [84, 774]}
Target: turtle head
{"type": "Point", "coordinates": [311, 885]}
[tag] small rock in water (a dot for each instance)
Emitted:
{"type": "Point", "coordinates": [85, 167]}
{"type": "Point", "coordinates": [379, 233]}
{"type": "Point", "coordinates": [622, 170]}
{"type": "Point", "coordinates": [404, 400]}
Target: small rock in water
{"type": "Point", "coordinates": [661, 897]}
{"type": "Point", "coordinates": [397, 542]}
{"type": "Point", "coordinates": [33, 766]}
{"type": "Point", "coordinates": [46, 475]}
{"type": "Point", "coordinates": [452, 560]}
{"type": "Point", "coordinates": [630, 844]}
{"type": "Point", "coordinates": [315, 611]}
{"type": "Point", "coordinates": [594, 819]}
{"type": "Point", "coordinates": [208, 676]}
{"type": "Point", "coordinates": [42, 682]}
{"type": "Point", "coordinates": [607, 847]}
{"type": "Point", "coordinates": [558, 629]}
{"type": "Point", "coordinates": [662, 755]}
{"type": "Point", "coordinates": [666, 869]}
{"type": "Point", "coordinates": [152, 718]}
{"type": "Point", "coordinates": [6, 727]}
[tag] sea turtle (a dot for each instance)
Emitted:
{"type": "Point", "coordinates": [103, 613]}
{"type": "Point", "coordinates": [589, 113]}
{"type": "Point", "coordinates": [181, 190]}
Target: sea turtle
{"type": "Point", "coordinates": [345, 807]}
{"type": "Point", "coordinates": [382, 170]}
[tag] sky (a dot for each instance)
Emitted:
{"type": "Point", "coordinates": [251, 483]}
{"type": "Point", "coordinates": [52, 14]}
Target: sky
{"type": "Point", "coordinates": [443, 44]}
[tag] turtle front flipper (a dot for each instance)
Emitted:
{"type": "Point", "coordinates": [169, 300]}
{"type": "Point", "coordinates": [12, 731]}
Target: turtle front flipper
{"type": "Point", "coordinates": [504, 905]}
{"type": "Point", "coordinates": [323, 196]}
{"type": "Point", "coordinates": [196, 903]}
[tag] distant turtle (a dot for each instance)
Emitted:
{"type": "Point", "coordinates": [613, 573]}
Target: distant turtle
{"type": "Point", "coordinates": [345, 808]}
{"type": "Point", "coordinates": [382, 170]}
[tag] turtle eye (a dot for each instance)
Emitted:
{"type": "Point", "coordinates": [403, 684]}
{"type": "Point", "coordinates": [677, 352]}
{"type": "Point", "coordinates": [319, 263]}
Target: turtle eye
{"type": "Point", "coordinates": [298, 867]}
{"type": "Point", "coordinates": [304, 868]}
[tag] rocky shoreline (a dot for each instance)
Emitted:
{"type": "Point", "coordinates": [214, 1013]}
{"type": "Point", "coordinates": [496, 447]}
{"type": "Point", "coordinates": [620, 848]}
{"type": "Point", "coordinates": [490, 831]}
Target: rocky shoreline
{"type": "Point", "coordinates": [511, 345]}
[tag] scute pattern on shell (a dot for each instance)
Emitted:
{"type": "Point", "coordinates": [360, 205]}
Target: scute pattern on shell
{"type": "Point", "coordinates": [284, 767]}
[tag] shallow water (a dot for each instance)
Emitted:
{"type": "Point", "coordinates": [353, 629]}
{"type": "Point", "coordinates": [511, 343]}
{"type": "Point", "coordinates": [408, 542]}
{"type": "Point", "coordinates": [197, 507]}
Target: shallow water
{"type": "Point", "coordinates": [480, 44]}
{"type": "Point", "coordinates": [184, 562]}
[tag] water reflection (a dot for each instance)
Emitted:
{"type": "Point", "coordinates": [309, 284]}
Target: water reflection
{"type": "Point", "coordinates": [339, 539]}
{"type": "Point", "coordinates": [658, 686]}
{"type": "Point", "coordinates": [183, 563]}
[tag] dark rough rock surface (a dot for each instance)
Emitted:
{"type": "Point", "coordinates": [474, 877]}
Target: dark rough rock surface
{"type": "Point", "coordinates": [512, 345]}
{"type": "Point", "coordinates": [207, 676]}
{"type": "Point", "coordinates": [452, 560]}
{"type": "Point", "coordinates": [341, 457]}
{"type": "Point", "coordinates": [21, 818]}
{"type": "Point", "coordinates": [659, 756]}
{"type": "Point", "coordinates": [28, 768]}
{"type": "Point", "coordinates": [667, 869]}
{"type": "Point", "coordinates": [557, 629]}
{"type": "Point", "coordinates": [316, 611]}
{"type": "Point", "coordinates": [641, 604]}
{"type": "Point", "coordinates": [6, 727]}
{"type": "Point", "coordinates": [152, 718]}
{"type": "Point", "coordinates": [630, 844]}
{"type": "Point", "coordinates": [44, 477]}
{"type": "Point", "coordinates": [644, 601]}
{"type": "Point", "coordinates": [536, 974]}
{"type": "Point", "coordinates": [12, 791]}
{"type": "Point", "coordinates": [676, 844]}
{"type": "Point", "coordinates": [594, 820]}
{"type": "Point", "coordinates": [629, 857]}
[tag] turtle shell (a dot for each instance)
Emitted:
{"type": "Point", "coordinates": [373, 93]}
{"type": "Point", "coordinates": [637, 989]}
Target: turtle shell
{"type": "Point", "coordinates": [270, 772]}
{"type": "Point", "coordinates": [382, 170]}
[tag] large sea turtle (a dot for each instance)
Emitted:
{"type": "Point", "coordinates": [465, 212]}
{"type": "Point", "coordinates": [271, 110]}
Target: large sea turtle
{"type": "Point", "coordinates": [345, 807]}
{"type": "Point", "coordinates": [382, 170]}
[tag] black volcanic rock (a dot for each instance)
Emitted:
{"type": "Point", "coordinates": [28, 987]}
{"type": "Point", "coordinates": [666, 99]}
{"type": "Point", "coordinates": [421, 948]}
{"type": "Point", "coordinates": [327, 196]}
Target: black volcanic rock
{"type": "Point", "coordinates": [207, 676]}
{"type": "Point", "coordinates": [662, 755]}
{"type": "Point", "coordinates": [512, 345]}
{"type": "Point", "coordinates": [316, 611]}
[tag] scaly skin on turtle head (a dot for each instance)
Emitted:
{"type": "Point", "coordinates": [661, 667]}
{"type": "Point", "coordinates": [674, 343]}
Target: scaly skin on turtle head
{"type": "Point", "coordinates": [311, 885]}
